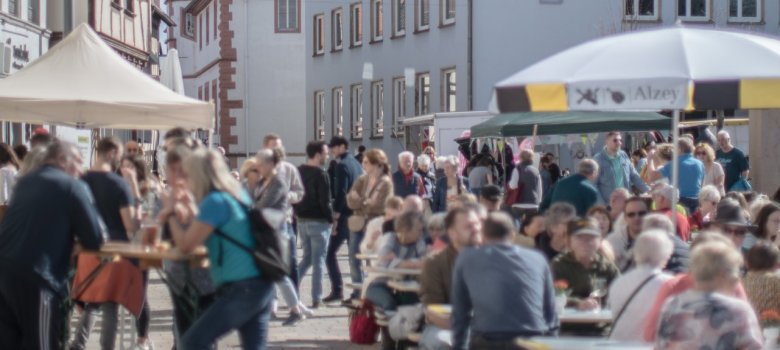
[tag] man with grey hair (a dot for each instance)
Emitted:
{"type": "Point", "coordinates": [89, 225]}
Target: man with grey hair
{"type": "Point", "coordinates": [664, 196]}
{"type": "Point", "coordinates": [579, 189]}
{"type": "Point", "coordinates": [630, 293]}
{"type": "Point", "coordinates": [691, 174]}
{"type": "Point", "coordinates": [678, 262]}
{"type": "Point", "coordinates": [733, 160]}
{"type": "Point", "coordinates": [406, 181]}
{"type": "Point", "coordinates": [50, 211]}
{"type": "Point", "coordinates": [527, 179]}
{"type": "Point", "coordinates": [428, 177]}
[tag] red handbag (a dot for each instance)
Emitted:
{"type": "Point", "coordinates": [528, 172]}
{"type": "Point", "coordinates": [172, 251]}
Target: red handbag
{"type": "Point", "coordinates": [362, 325]}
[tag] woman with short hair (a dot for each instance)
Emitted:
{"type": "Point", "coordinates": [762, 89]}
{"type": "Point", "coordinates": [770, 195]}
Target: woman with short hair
{"type": "Point", "coordinates": [708, 316]}
{"type": "Point", "coordinates": [713, 171]}
{"type": "Point", "coordinates": [709, 197]}
{"type": "Point", "coordinates": [449, 187]}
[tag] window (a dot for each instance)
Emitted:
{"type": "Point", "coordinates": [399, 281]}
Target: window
{"type": "Point", "coordinates": [447, 12]}
{"type": "Point", "coordinates": [693, 10]}
{"type": "Point", "coordinates": [200, 32]}
{"type": "Point", "coordinates": [319, 115]}
{"type": "Point", "coordinates": [215, 19]}
{"type": "Point", "coordinates": [129, 5]}
{"type": "Point", "coordinates": [33, 11]}
{"type": "Point", "coordinates": [399, 104]}
{"type": "Point", "coordinates": [745, 10]}
{"type": "Point", "coordinates": [208, 25]}
{"type": "Point", "coordinates": [13, 7]}
{"type": "Point", "coordinates": [319, 34]}
{"type": "Point", "coordinates": [377, 109]}
{"type": "Point", "coordinates": [422, 15]}
{"type": "Point", "coordinates": [338, 112]}
{"type": "Point", "coordinates": [643, 10]}
{"type": "Point", "coordinates": [449, 91]}
{"type": "Point", "coordinates": [377, 20]}
{"type": "Point", "coordinates": [399, 17]}
{"type": "Point", "coordinates": [356, 24]}
{"type": "Point", "coordinates": [356, 110]}
{"type": "Point", "coordinates": [189, 24]}
{"type": "Point", "coordinates": [288, 13]}
{"type": "Point", "coordinates": [336, 30]}
{"type": "Point", "coordinates": [422, 94]}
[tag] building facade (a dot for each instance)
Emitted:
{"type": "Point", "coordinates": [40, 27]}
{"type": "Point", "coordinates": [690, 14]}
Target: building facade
{"type": "Point", "coordinates": [23, 38]}
{"type": "Point", "coordinates": [359, 53]}
{"type": "Point", "coordinates": [247, 57]}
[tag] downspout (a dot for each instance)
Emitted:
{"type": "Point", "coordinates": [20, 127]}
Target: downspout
{"type": "Point", "coordinates": [246, 79]}
{"type": "Point", "coordinates": [470, 56]}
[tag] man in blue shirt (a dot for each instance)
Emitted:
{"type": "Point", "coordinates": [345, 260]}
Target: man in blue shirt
{"type": "Point", "coordinates": [501, 291]}
{"type": "Point", "coordinates": [691, 174]}
{"type": "Point", "coordinates": [615, 168]}
{"type": "Point", "coordinates": [50, 211]}
{"type": "Point", "coordinates": [578, 189]}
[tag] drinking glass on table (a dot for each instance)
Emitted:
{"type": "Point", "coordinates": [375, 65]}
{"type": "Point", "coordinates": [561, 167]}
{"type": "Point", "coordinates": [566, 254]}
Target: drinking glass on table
{"type": "Point", "coordinates": [599, 290]}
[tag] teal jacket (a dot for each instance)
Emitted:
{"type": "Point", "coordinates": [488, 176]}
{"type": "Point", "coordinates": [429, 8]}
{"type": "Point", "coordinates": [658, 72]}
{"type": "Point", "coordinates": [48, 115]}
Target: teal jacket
{"type": "Point", "coordinates": [576, 190]}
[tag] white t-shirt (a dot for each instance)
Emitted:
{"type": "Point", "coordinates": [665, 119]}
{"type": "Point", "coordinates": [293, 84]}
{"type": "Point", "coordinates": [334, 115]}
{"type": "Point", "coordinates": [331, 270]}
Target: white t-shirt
{"type": "Point", "coordinates": [715, 171]}
{"type": "Point", "coordinates": [631, 325]}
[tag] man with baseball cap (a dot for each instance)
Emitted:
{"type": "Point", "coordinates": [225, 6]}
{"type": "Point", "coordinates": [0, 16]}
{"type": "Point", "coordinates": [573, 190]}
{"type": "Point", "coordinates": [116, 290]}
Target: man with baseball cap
{"type": "Point", "coordinates": [732, 221]}
{"type": "Point", "coordinates": [490, 197]}
{"type": "Point", "coordinates": [583, 265]}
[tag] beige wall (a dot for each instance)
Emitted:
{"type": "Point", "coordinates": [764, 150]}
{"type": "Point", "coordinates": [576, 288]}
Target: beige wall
{"type": "Point", "coordinates": [765, 150]}
{"type": "Point", "coordinates": [133, 31]}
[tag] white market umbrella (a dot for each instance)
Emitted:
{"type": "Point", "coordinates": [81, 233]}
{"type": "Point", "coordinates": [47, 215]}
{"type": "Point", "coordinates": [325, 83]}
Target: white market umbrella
{"type": "Point", "coordinates": [672, 68]}
{"type": "Point", "coordinates": [82, 82]}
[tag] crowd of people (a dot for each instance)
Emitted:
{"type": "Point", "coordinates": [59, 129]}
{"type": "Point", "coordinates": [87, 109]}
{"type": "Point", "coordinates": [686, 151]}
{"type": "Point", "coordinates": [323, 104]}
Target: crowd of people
{"type": "Point", "coordinates": [677, 266]}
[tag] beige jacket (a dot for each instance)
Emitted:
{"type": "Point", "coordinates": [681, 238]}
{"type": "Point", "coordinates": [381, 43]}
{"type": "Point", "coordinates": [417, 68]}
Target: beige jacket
{"type": "Point", "coordinates": [373, 206]}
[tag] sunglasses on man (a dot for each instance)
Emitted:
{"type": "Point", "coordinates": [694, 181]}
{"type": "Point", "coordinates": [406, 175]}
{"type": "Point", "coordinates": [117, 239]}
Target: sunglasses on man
{"type": "Point", "coordinates": [634, 214]}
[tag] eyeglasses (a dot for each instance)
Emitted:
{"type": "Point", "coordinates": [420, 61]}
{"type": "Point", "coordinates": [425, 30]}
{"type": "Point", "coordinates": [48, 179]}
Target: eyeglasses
{"type": "Point", "coordinates": [617, 141]}
{"type": "Point", "coordinates": [633, 214]}
{"type": "Point", "coordinates": [736, 231]}
{"type": "Point", "coordinates": [132, 150]}
{"type": "Point", "coordinates": [701, 154]}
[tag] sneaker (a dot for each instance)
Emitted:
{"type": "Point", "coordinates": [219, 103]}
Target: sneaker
{"type": "Point", "coordinates": [333, 298]}
{"type": "Point", "coordinates": [294, 319]}
{"type": "Point", "coordinates": [305, 310]}
{"type": "Point", "coordinates": [315, 305]}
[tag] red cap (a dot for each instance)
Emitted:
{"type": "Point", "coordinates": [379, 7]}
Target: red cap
{"type": "Point", "coordinates": [41, 131]}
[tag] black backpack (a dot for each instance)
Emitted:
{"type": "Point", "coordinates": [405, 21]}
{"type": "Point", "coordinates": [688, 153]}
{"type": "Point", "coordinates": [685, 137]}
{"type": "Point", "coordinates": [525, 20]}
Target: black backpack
{"type": "Point", "coordinates": [270, 253]}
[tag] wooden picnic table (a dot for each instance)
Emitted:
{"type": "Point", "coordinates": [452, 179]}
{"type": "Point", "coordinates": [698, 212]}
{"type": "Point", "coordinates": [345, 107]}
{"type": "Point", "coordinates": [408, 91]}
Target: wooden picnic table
{"type": "Point", "coordinates": [150, 257]}
{"type": "Point", "coordinates": [393, 272]}
{"type": "Point", "coordinates": [404, 286]}
{"type": "Point", "coordinates": [580, 343]}
{"type": "Point", "coordinates": [571, 315]}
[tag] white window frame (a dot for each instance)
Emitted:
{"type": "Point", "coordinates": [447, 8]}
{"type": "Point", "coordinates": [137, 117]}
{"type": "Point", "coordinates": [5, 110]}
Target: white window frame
{"type": "Point", "coordinates": [446, 104]}
{"type": "Point", "coordinates": [337, 32]}
{"type": "Point", "coordinates": [637, 17]}
{"type": "Point", "coordinates": [289, 23]}
{"type": "Point", "coordinates": [189, 24]}
{"type": "Point", "coordinates": [319, 34]}
{"type": "Point", "coordinates": [377, 20]}
{"type": "Point", "coordinates": [377, 108]}
{"type": "Point", "coordinates": [444, 5]}
{"type": "Point", "coordinates": [319, 115]}
{"type": "Point", "coordinates": [356, 25]}
{"type": "Point", "coordinates": [399, 104]}
{"type": "Point", "coordinates": [741, 19]}
{"type": "Point", "coordinates": [419, 6]}
{"type": "Point", "coordinates": [687, 15]}
{"type": "Point", "coordinates": [356, 111]}
{"type": "Point", "coordinates": [399, 13]}
{"type": "Point", "coordinates": [422, 94]}
{"type": "Point", "coordinates": [338, 111]}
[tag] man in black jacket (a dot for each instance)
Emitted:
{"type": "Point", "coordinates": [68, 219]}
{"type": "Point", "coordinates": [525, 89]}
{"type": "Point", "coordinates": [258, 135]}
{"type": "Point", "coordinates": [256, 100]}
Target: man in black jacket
{"type": "Point", "coordinates": [50, 211]}
{"type": "Point", "coordinates": [346, 173]}
{"type": "Point", "coordinates": [315, 216]}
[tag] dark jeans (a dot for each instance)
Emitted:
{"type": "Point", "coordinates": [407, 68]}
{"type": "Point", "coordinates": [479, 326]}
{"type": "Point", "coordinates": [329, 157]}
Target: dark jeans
{"type": "Point", "coordinates": [31, 315]}
{"type": "Point", "coordinates": [142, 323]}
{"type": "Point", "coordinates": [185, 314]}
{"type": "Point", "coordinates": [690, 204]}
{"type": "Point", "coordinates": [334, 273]}
{"type": "Point", "coordinates": [244, 306]}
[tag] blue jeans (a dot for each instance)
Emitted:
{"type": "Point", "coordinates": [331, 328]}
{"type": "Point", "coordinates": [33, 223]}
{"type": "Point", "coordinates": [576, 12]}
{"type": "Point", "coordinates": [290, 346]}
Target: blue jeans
{"type": "Point", "coordinates": [243, 305]}
{"type": "Point", "coordinates": [355, 270]}
{"type": "Point", "coordinates": [287, 286]}
{"type": "Point", "coordinates": [379, 294]}
{"type": "Point", "coordinates": [334, 272]}
{"type": "Point", "coordinates": [292, 246]}
{"type": "Point", "coordinates": [314, 238]}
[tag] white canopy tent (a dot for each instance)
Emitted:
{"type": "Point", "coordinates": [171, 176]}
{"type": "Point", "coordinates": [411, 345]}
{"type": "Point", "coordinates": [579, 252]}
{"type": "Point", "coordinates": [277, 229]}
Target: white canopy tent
{"type": "Point", "coordinates": [84, 83]}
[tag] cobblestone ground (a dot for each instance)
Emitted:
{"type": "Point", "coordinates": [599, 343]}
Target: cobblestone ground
{"type": "Point", "coordinates": [327, 329]}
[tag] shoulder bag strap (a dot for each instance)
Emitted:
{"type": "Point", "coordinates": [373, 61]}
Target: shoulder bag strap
{"type": "Point", "coordinates": [630, 298]}
{"type": "Point", "coordinates": [235, 242]}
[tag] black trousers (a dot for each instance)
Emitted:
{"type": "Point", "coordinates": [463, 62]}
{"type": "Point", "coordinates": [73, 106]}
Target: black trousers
{"type": "Point", "coordinates": [32, 316]}
{"type": "Point", "coordinates": [331, 263]}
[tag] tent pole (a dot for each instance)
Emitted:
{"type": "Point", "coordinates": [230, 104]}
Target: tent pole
{"type": "Point", "coordinates": [675, 164]}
